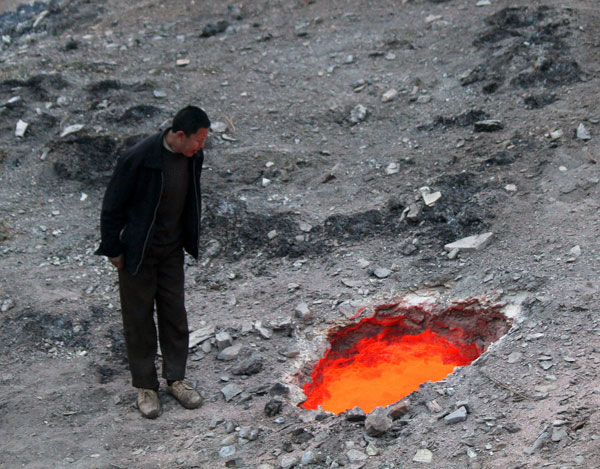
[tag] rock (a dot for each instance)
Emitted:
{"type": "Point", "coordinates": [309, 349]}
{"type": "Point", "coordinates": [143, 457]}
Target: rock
{"type": "Point", "coordinates": [230, 391]}
{"type": "Point", "coordinates": [248, 433]}
{"type": "Point", "coordinates": [378, 422]}
{"type": "Point", "coordinates": [490, 125]}
{"type": "Point", "coordinates": [249, 366]}
{"type": "Point", "coordinates": [227, 451]}
{"type": "Point", "coordinates": [423, 455]}
{"type": "Point", "coordinates": [470, 243]}
{"type": "Point", "coordinates": [355, 456]}
{"type": "Point", "coordinates": [423, 99]}
{"type": "Point", "coordinates": [358, 114]}
{"type": "Point", "coordinates": [514, 357]}
{"type": "Point", "coordinates": [223, 340]}
{"type": "Point", "coordinates": [6, 305]}
{"type": "Point", "coordinates": [382, 272]}
{"type": "Point", "coordinates": [392, 168]}
{"type": "Point", "coordinates": [541, 441]}
{"type": "Point", "coordinates": [399, 409]}
{"type": "Point", "coordinates": [558, 434]}
{"type": "Point", "coordinates": [272, 234]}
{"type": "Point", "coordinates": [264, 332]}
{"type": "Point", "coordinates": [71, 129]}
{"type": "Point", "coordinates": [218, 127]}
{"type": "Point", "coordinates": [305, 227]}
{"type": "Point", "coordinates": [583, 133]}
{"type": "Point", "coordinates": [288, 461]}
{"type": "Point", "coordinates": [303, 313]}
{"type": "Point", "coordinates": [351, 283]}
{"type": "Point", "coordinates": [575, 251]}
{"type": "Point", "coordinates": [556, 135]}
{"type": "Point", "coordinates": [308, 457]}
{"type": "Point", "coordinates": [389, 95]}
{"type": "Point", "coordinates": [363, 263]}
{"type": "Point", "coordinates": [510, 188]}
{"type": "Point", "coordinates": [159, 94]}
{"type": "Point", "coordinates": [182, 62]}
{"type": "Point", "coordinates": [21, 128]}
{"type": "Point", "coordinates": [273, 407]}
{"type": "Point", "coordinates": [459, 415]}
{"type": "Point", "coordinates": [200, 335]}
{"type": "Point", "coordinates": [356, 414]}
{"type": "Point", "coordinates": [430, 198]}
{"type": "Point", "coordinates": [230, 353]}
{"type": "Point", "coordinates": [265, 182]}
{"type": "Point", "coordinates": [229, 440]}
{"type": "Point", "coordinates": [212, 29]}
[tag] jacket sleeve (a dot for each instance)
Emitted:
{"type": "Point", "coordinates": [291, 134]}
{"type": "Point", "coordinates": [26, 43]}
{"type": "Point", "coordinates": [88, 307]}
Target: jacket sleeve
{"type": "Point", "coordinates": [113, 217]}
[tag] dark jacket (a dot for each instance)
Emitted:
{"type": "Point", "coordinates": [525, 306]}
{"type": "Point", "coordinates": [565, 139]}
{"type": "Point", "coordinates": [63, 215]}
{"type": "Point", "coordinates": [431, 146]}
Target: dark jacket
{"type": "Point", "coordinates": [131, 200]}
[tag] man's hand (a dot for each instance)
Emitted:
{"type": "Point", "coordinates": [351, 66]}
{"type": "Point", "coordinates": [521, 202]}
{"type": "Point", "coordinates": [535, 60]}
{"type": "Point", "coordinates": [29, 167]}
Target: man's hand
{"type": "Point", "coordinates": [117, 261]}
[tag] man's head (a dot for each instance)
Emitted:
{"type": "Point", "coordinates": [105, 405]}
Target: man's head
{"type": "Point", "coordinates": [189, 130]}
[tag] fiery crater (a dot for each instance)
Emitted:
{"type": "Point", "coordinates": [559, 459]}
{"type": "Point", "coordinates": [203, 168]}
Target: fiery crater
{"type": "Point", "coordinates": [382, 359]}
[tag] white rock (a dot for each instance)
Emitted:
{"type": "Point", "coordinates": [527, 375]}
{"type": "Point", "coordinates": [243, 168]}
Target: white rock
{"type": "Point", "coordinates": [423, 455]}
{"type": "Point", "coordinates": [470, 243]}
{"type": "Point", "coordinates": [200, 335]}
{"type": "Point", "coordinates": [392, 168]}
{"type": "Point", "coordinates": [71, 129]}
{"type": "Point", "coordinates": [389, 95]}
{"type": "Point", "coordinates": [182, 62]}
{"type": "Point", "coordinates": [305, 227]}
{"type": "Point", "coordinates": [355, 455]}
{"type": "Point", "coordinates": [266, 182]}
{"type": "Point", "coordinates": [556, 134]}
{"type": "Point", "coordinates": [159, 94]}
{"type": "Point", "coordinates": [83, 197]}
{"type": "Point", "coordinates": [575, 251]}
{"type": "Point", "coordinates": [272, 234]}
{"type": "Point", "coordinates": [483, 3]}
{"type": "Point", "coordinates": [510, 188]}
{"type": "Point", "coordinates": [21, 128]}
{"type": "Point", "coordinates": [382, 272]}
{"type": "Point", "coordinates": [218, 127]}
{"type": "Point", "coordinates": [583, 133]}
{"type": "Point", "coordinates": [430, 198]}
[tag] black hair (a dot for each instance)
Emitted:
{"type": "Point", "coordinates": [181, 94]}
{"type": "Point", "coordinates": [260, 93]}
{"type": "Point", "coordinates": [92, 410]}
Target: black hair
{"type": "Point", "coordinates": [189, 120]}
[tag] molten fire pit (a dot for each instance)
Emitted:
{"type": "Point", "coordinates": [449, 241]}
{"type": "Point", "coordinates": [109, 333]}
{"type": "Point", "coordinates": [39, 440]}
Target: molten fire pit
{"type": "Point", "coordinates": [383, 358]}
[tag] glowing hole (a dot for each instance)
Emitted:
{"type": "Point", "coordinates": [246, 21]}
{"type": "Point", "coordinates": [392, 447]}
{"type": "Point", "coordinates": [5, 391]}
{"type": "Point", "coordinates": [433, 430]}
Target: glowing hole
{"type": "Point", "coordinates": [382, 359]}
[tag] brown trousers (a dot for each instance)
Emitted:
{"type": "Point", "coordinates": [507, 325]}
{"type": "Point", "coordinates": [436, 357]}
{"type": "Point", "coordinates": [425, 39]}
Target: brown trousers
{"type": "Point", "coordinates": [160, 281]}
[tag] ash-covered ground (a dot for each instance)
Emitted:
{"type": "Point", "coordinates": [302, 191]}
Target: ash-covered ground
{"type": "Point", "coordinates": [331, 118]}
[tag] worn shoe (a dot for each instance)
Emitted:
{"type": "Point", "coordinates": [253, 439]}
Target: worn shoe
{"type": "Point", "coordinates": [187, 396]}
{"type": "Point", "coordinates": [148, 403]}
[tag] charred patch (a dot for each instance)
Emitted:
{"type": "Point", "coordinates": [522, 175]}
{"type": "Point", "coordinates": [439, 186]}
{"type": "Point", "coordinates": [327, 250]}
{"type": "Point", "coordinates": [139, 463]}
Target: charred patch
{"type": "Point", "coordinates": [464, 119]}
{"type": "Point", "coordinates": [84, 158]}
{"type": "Point", "coordinates": [538, 101]}
{"type": "Point", "coordinates": [139, 112]}
{"type": "Point", "coordinates": [104, 86]}
{"type": "Point", "coordinates": [39, 87]}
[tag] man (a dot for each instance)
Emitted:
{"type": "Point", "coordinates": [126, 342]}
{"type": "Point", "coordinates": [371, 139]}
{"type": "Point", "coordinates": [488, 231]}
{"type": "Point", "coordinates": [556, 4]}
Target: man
{"type": "Point", "coordinates": [150, 214]}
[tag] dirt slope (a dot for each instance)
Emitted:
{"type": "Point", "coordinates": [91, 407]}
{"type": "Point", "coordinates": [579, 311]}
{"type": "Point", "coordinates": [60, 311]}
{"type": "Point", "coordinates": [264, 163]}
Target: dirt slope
{"type": "Point", "coordinates": [334, 115]}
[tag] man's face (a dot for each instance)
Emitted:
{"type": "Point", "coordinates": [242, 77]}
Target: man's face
{"type": "Point", "coordinates": [189, 145]}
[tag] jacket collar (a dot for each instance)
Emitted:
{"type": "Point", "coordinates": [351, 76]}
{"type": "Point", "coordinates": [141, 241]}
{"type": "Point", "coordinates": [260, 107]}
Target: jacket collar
{"type": "Point", "coordinates": [154, 159]}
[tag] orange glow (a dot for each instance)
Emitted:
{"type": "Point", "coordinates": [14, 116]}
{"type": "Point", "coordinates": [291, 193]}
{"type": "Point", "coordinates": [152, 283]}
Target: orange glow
{"type": "Point", "coordinates": [381, 370]}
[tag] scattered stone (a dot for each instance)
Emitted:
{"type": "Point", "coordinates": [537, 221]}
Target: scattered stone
{"type": "Point", "coordinates": [358, 114]}
{"type": "Point", "coordinates": [288, 461]}
{"type": "Point", "coordinates": [264, 332]}
{"type": "Point", "coordinates": [230, 391]}
{"type": "Point", "coordinates": [71, 129]}
{"type": "Point", "coordinates": [159, 94]}
{"type": "Point", "coordinates": [308, 457]}
{"type": "Point", "coordinates": [363, 263]}
{"type": "Point", "coordinates": [514, 357]}
{"type": "Point", "coordinates": [265, 182]}
{"type": "Point", "coordinates": [382, 272]}
{"type": "Point", "coordinates": [558, 434]}
{"type": "Point", "coordinates": [470, 243]}
{"type": "Point", "coordinates": [248, 366]}
{"type": "Point", "coordinates": [490, 125]}
{"type": "Point", "coordinates": [200, 335]}
{"type": "Point", "coordinates": [424, 456]}
{"type": "Point", "coordinates": [218, 127]}
{"type": "Point", "coordinates": [389, 95]}
{"type": "Point", "coordinates": [583, 133]}
{"type": "Point", "coordinates": [556, 134]}
{"type": "Point", "coordinates": [392, 168]}
{"type": "Point", "coordinates": [378, 422]}
{"type": "Point", "coordinates": [356, 414]}
{"type": "Point", "coordinates": [453, 253]}
{"type": "Point", "coordinates": [400, 409]}
{"type": "Point", "coordinates": [305, 227]}
{"type": "Point", "coordinates": [433, 407]}
{"type": "Point", "coordinates": [432, 18]}
{"type": "Point", "coordinates": [351, 283]}
{"type": "Point", "coordinates": [303, 313]}
{"type": "Point", "coordinates": [6, 305]}
{"type": "Point", "coordinates": [227, 451]}
{"type": "Point", "coordinates": [182, 62]}
{"type": "Point", "coordinates": [430, 198]}
{"type": "Point", "coordinates": [272, 234]}
{"type": "Point", "coordinates": [541, 441]}
{"type": "Point", "coordinates": [248, 433]}
{"type": "Point", "coordinates": [212, 29]}
{"type": "Point", "coordinates": [459, 415]}
{"type": "Point", "coordinates": [273, 407]}
{"type": "Point", "coordinates": [483, 3]}
{"type": "Point", "coordinates": [510, 188]}
{"type": "Point", "coordinates": [423, 99]}
{"type": "Point", "coordinates": [21, 128]}
{"type": "Point", "coordinates": [575, 251]}
{"type": "Point", "coordinates": [356, 456]}
{"type": "Point", "coordinates": [230, 353]}
{"type": "Point", "coordinates": [223, 340]}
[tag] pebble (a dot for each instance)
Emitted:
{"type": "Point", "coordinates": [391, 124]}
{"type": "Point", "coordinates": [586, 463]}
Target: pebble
{"type": "Point", "coordinates": [515, 357]}
{"type": "Point", "coordinates": [583, 133]}
{"type": "Point", "coordinates": [248, 433]}
{"type": "Point", "coordinates": [382, 272]}
{"type": "Point", "coordinates": [227, 451]}
{"type": "Point", "coordinates": [389, 95]}
{"type": "Point", "coordinates": [470, 243]}
{"type": "Point", "coordinates": [182, 62]}
{"type": "Point", "coordinates": [358, 114]}
{"type": "Point", "coordinates": [423, 455]}
{"type": "Point", "coordinates": [288, 461]}
{"type": "Point", "coordinates": [21, 128]}
{"type": "Point", "coordinates": [378, 422]}
{"type": "Point", "coordinates": [6, 305]}
{"type": "Point", "coordinates": [392, 168]}
{"type": "Point", "coordinates": [303, 313]}
{"type": "Point", "coordinates": [510, 188]}
{"type": "Point", "coordinates": [308, 457]}
{"type": "Point", "coordinates": [230, 353]}
{"type": "Point", "coordinates": [305, 227]}
{"type": "Point", "coordinates": [159, 94]}
{"type": "Point", "coordinates": [71, 129]}
{"type": "Point", "coordinates": [249, 366]}
{"type": "Point", "coordinates": [559, 434]}
{"type": "Point", "coordinates": [230, 391]}
{"type": "Point", "coordinates": [264, 332]}
{"type": "Point", "coordinates": [223, 340]}
{"type": "Point", "coordinates": [218, 127]}
{"type": "Point", "coordinates": [355, 456]}
{"type": "Point", "coordinates": [459, 415]}
{"type": "Point", "coordinates": [272, 234]}
{"type": "Point", "coordinates": [556, 134]}
{"type": "Point", "coordinates": [423, 99]}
